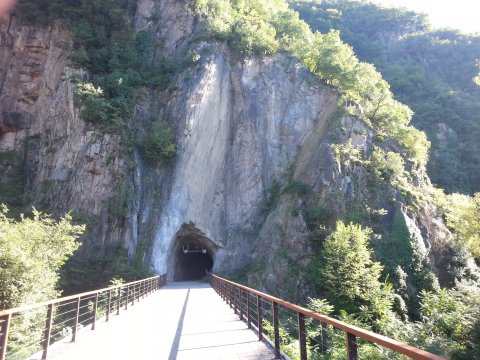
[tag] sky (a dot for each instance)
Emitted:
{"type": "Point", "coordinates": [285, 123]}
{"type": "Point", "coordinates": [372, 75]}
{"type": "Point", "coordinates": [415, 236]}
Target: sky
{"type": "Point", "coordinates": [457, 14]}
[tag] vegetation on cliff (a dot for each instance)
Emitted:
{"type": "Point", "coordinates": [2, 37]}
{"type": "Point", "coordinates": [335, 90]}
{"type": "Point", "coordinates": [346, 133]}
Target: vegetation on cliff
{"type": "Point", "coordinates": [120, 62]}
{"type": "Point", "coordinates": [429, 70]}
{"type": "Point", "coordinates": [268, 26]}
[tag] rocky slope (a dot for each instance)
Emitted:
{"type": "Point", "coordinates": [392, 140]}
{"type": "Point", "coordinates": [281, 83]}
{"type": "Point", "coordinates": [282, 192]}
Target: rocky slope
{"type": "Point", "coordinates": [242, 128]}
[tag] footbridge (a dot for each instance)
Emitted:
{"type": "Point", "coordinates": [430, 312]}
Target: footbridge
{"type": "Point", "coordinates": [153, 319]}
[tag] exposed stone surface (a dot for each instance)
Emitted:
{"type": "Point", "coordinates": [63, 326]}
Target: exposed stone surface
{"type": "Point", "coordinates": [240, 126]}
{"type": "Point", "coordinates": [69, 166]}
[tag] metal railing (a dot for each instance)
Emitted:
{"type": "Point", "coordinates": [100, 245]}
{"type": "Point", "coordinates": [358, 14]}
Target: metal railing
{"type": "Point", "coordinates": [256, 307]}
{"type": "Point", "coordinates": [28, 329]}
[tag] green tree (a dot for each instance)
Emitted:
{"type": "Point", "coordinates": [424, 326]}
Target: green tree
{"type": "Point", "coordinates": [463, 216]}
{"type": "Point", "coordinates": [32, 250]}
{"type": "Point", "coordinates": [348, 278]}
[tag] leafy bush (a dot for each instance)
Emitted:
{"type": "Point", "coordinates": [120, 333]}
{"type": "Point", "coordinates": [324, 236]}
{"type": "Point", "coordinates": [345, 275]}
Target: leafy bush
{"type": "Point", "coordinates": [158, 146]}
{"type": "Point", "coordinates": [385, 166]}
{"type": "Point", "coordinates": [317, 216]}
{"type": "Point", "coordinates": [298, 188]}
{"type": "Point", "coordinates": [463, 216]}
{"type": "Point", "coordinates": [119, 205]}
{"type": "Point", "coordinates": [347, 154]}
{"type": "Point", "coordinates": [31, 253]}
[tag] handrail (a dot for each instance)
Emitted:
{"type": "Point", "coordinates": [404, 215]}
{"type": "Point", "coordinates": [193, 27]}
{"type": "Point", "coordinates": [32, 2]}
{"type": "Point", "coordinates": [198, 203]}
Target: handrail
{"type": "Point", "coordinates": [72, 311]}
{"type": "Point", "coordinates": [70, 297]}
{"type": "Point", "coordinates": [351, 331]}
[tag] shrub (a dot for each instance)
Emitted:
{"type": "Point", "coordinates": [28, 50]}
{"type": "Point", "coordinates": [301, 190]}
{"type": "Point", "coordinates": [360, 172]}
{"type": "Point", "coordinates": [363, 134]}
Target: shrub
{"type": "Point", "coordinates": [158, 146]}
{"type": "Point", "coordinates": [31, 253]}
{"type": "Point", "coordinates": [385, 166]}
{"type": "Point", "coordinates": [317, 216]}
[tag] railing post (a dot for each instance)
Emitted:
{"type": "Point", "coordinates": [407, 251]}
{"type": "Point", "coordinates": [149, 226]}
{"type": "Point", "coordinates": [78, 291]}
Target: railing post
{"type": "Point", "coordinates": [276, 330]}
{"type": "Point", "coordinates": [230, 295]}
{"type": "Point", "coordinates": [95, 305]}
{"type": "Point", "coordinates": [126, 298]}
{"type": "Point", "coordinates": [48, 332]}
{"type": "Point", "coordinates": [133, 295]}
{"type": "Point", "coordinates": [119, 299]}
{"type": "Point", "coordinates": [249, 315]}
{"type": "Point", "coordinates": [241, 302]}
{"type": "Point", "coordinates": [301, 336]}
{"type": "Point", "coordinates": [4, 338]}
{"type": "Point", "coordinates": [351, 346]}
{"type": "Point", "coordinates": [109, 303]}
{"type": "Point", "coordinates": [75, 322]}
{"type": "Point", "coordinates": [259, 317]}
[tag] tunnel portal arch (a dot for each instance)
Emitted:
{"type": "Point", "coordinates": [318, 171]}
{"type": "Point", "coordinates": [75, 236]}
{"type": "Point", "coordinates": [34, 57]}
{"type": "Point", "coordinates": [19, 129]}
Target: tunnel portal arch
{"type": "Point", "coordinates": [192, 254]}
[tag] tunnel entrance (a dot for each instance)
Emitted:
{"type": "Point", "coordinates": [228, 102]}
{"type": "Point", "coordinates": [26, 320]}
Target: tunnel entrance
{"type": "Point", "coordinates": [193, 254]}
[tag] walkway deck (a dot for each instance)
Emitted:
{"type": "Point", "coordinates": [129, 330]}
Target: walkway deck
{"type": "Point", "coordinates": [185, 320]}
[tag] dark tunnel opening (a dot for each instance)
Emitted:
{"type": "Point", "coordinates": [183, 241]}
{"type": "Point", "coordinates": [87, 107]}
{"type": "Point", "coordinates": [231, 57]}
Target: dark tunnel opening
{"type": "Point", "coordinates": [193, 259]}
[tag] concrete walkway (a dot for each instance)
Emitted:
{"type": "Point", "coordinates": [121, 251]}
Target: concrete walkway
{"type": "Point", "coordinates": [185, 320]}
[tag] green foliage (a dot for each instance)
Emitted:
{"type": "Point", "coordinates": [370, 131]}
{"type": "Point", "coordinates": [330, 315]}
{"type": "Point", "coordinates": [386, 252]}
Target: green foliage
{"type": "Point", "coordinates": [271, 198]}
{"type": "Point", "coordinates": [463, 216]}
{"type": "Point", "coordinates": [31, 254]}
{"type": "Point", "coordinates": [297, 188]}
{"type": "Point", "coordinates": [429, 70]}
{"type": "Point", "coordinates": [442, 313]}
{"type": "Point", "coordinates": [120, 204]}
{"type": "Point", "coordinates": [347, 154]}
{"type": "Point", "coordinates": [158, 146]}
{"type": "Point", "coordinates": [318, 216]}
{"type": "Point", "coordinates": [385, 166]}
{"type": "Point", "coordinates": [450, 322]}
{"type": "Point", "coordinates": [405, 261]}
{"type": "Point", "coordinates": [96, 269]}
{"type": "Point", "coordinates": [349, 279]}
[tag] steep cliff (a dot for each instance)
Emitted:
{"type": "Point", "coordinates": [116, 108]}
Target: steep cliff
{"type": "Point", "coordinates": [256, 142]}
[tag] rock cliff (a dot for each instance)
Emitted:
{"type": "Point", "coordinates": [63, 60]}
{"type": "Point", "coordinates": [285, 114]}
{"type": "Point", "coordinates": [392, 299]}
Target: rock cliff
{"type": "Point", "coordinates": [243, 128]}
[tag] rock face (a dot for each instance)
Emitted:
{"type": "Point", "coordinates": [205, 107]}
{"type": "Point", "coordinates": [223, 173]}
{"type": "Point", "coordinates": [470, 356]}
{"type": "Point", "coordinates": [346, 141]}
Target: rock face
{"type": "Point", "coordinates": [240, 125]}
{"type": "Point", "coordinates": [69, 167]}
{"type": "Point", "coordinates": [243, 129]}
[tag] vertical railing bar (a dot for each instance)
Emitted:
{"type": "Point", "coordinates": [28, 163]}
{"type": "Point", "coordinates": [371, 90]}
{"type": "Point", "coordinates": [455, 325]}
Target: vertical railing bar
{"type": "Point", "coordinates": [75, 323]}
{"type": "Point", "coordinates": [351, 346]}
{"type": "Point", "coordinates": [276, 330]}
{"type": "Point", "coordinates": [249, 315]}
{"type": "Point", "coordinates": [48, 332]}
{"type": "Point", "coordinates": [133, 295]}
{"type": "Point", "coordinates": [301, 336]}
{"type": "Point", "coordinates": [126, 299]}
{"type": "Point", "coordinates": [119, 292]}
{"type": "Point", "coordinates": [109, 303]}
{"type": "Point", "coordinates": [259, 317]}
{"type": "Point", "coordinates": [4, 337]}
{"type": "Point", "coordinates": [95, 305]}
{"type": "Point", "coordinates": [240, 294]}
